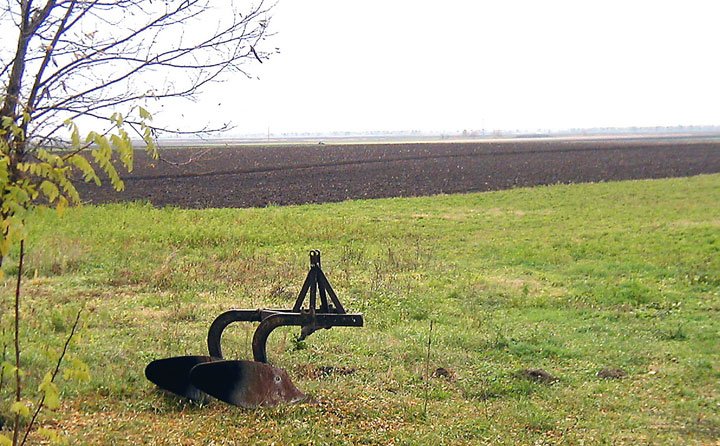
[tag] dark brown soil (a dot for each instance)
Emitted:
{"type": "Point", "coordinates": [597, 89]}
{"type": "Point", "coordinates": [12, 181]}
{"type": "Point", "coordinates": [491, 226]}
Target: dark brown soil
{"type": "Point", "coordinates": [612, 373]}
{"type": "Point", "coordinates": [447, 374]}
{"type": "Point", "coordinates": [538, 375]}
{"type": "Point", "coordinates": [246, 176]}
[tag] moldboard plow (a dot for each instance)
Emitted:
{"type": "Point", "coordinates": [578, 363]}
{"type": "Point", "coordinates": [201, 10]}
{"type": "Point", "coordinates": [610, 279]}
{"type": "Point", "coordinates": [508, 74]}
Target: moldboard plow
{"type": "Point", "coordinates": [254, 383]}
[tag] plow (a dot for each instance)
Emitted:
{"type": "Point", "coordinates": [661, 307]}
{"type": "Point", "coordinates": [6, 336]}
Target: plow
{"type": "Point", "coordinates": [254, 383]}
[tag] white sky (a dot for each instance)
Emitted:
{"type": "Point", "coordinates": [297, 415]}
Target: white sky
{"type": "Point", "coordinates": [452, 65]}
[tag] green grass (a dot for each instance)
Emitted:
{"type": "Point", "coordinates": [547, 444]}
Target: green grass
{"type": "Point", "coordinates": [571, 279]}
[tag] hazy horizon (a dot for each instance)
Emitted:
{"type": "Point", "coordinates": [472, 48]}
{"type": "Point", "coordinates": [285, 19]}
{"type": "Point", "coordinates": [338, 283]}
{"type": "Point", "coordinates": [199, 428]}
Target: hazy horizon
{"type": "Point", "coordinates": [401, 65]}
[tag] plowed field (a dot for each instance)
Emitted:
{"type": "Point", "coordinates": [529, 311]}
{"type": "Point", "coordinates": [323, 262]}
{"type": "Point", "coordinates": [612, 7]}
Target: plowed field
{"type": "Point", "coordinates": [245, 176]}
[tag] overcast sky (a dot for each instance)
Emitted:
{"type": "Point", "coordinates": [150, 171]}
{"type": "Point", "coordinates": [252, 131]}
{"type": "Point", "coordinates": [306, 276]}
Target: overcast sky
{"type": "Point", "coordinates": [453, 65]}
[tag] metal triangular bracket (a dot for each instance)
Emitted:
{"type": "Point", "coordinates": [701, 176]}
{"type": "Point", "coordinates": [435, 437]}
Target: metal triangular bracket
{"type": "Point", "coordinates": [316, 283]}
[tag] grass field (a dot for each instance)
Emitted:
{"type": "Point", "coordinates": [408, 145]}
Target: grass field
{"type": "Point", "coordinates": [570, 279]}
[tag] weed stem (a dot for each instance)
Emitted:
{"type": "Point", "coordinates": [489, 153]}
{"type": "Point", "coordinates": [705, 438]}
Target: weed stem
{"type": "Point", "coordinates": [427, 370]}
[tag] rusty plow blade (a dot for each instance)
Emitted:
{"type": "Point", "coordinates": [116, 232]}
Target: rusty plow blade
{"type": "Point", "coordinates": [246, 384]}
{"type": "Point", "coordinates": [254, 383]}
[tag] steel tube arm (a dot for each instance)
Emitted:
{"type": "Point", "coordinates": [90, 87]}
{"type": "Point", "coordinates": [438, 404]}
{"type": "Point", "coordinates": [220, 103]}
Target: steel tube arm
{"type": "Point", "coordinates": [222, 321]}
{"type": "Point", "coordinates": [316, 321]}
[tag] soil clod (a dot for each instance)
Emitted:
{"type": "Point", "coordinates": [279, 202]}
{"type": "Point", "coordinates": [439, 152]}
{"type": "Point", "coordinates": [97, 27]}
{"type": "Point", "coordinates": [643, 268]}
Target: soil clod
{"type": "Point", "coordinates": [442, 372]}
{"type": "Point", "coordinates": [538, 375]}
{"type": "Point", "coordinates": [612, 373]}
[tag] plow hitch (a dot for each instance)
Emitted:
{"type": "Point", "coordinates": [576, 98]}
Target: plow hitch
{"type": "Point", "coordinates": [254, 383]}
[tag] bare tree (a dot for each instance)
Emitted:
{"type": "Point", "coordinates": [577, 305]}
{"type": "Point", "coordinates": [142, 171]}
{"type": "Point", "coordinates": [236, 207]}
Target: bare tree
{"type": "Point", "coordinates": [97, 60]}
{"type": "Point", "coordinates": [76, 58]}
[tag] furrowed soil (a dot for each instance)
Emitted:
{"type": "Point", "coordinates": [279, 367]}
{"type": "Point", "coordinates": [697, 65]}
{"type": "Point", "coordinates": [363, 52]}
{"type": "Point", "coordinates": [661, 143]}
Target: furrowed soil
{"type": "Point", "coordinates": [249, 176]}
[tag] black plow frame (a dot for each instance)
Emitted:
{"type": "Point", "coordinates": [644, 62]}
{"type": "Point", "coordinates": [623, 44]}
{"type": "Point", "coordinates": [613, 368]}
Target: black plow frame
{"type": "Point", "coordinates": [330, 313]}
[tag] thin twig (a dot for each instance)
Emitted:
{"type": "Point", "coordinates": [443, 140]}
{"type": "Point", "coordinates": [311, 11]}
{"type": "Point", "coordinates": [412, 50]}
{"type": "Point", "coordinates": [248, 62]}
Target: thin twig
{"type": "Point", "coordinates": [427, 370]}
{"type": "Point", "coordinates": [4, 342]}
{"type": "Point", "coordinates": [41, 402]}
{"type": "Point", "coordinates": [189, 161]}
{"type": "Point", "coordinates": [18, 383]}
{"type": "Point", "coordinates": [4, 354]}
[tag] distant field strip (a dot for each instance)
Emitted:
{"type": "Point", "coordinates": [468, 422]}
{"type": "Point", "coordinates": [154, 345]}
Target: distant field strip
{"type": "Point", "coordinates": [250, 176]}
{"type": "Point", "coordinates": [419, 157]}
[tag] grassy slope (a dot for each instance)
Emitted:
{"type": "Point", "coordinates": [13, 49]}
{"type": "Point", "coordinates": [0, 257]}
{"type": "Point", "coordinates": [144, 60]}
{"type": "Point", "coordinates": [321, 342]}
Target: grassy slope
{"type": "Point", "coordinates": [571, 279]}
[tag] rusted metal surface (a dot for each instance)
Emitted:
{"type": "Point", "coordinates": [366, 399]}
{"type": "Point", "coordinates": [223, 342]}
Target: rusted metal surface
{"type": "Point", "coordinates": [254, 383]}
{"type": "Point", "coordinates": [246, 383]}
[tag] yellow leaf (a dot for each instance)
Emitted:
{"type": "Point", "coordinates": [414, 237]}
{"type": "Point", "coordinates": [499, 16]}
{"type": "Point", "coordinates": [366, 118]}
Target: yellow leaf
{"type": "Point", "coordinates": [50, 190]}
{"type": "Point", "coordinates": [79, 372]}
{"type": "Point", "coordinates": [90, 137]}
{"type": "Point", "coordinates": [20, 409]}
{"type": "Point", "coordinates": [85, 167]}
{"type": "Point", "coordinates": [144, 114]}
{"type": "Point", "coordinates": [8, 367]}
{"type": "Point", "coordinates": [52, 395]}
{"type": "Point", "coordinates": [5, 441]}
{"type": "Point", "coordinates": [116, 118]}
{"type": "Point", "coordinates": [75, 137]}
{"type": "Point", "coordinates": [61, 205]}
{"type": "Point", "coordinates": [53, 436]}
{"type": "Point", "coordinates": [71, 192]}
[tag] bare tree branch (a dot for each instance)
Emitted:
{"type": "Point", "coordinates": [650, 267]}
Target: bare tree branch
{"type": "Point", "coordinates": [48, 53]}
{"type": "Point", "coordinates": [89, 58]}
